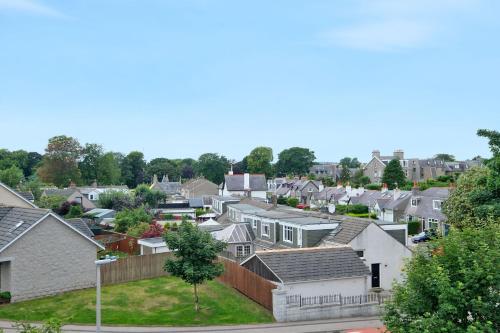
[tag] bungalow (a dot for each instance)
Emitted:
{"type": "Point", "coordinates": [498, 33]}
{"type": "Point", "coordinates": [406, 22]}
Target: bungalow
{"type": "Point", "coordinates": [249, 185]}
{"type": "Point", "coordinates": [220, 203]}
{"type": "Point", "coordinates": [391, 206]}
{"type": "Point", "coordinates": [425, 206]}
{"type": "Point", "coordinates": [198, 187]}
{"type": "Point", "coordinates": [381, 252]}
{"type": "Point", "coordinates": [71, 194]}
{"type": "Point", "coordinates": [313, 271]}
{"type": "Point", "coordinates": [42, 254]}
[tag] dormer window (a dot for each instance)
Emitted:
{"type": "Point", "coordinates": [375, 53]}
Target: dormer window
{"type": "Point", "coordinates": [436, 204]}
{"type": "Point", "coordinates": [415, 202]}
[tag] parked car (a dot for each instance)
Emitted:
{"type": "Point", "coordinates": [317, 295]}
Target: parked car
{"type": "Point", "coordinates": [424, 236]}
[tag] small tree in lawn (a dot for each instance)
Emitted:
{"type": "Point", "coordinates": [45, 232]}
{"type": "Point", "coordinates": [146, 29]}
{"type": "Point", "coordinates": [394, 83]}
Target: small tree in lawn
{"type": "Point", "coordinates": [195, 251]}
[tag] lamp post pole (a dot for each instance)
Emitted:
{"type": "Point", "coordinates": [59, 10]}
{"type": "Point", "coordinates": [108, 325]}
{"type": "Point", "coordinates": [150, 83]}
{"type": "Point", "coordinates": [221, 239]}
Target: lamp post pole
{"type": "Point", "coordinates": [108, 259]}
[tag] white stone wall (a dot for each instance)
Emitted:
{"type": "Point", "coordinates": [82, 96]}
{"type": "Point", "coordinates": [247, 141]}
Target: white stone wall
{"type": "Point", "coordinates": [351, 286]}
{"type": "Point", "coordinates": [49, 259]}
{"type": "Point", "coordinates": [380, 247]}
{"type": "Point", "coordinates": [285, 313]}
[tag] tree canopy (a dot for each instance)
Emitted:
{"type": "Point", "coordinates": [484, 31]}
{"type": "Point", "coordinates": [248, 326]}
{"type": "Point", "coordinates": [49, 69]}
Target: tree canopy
{"type": "Point", "coordinates": [445, 157]}
{"type": "Point", "coordinates": [195, 254]}
{"type": "Point", "coordinates": [259, 161]}
{"type": "Point", "coordinates": [450, 286]}
{"type": "Point", "coordinates": [213, 167]}
{"type": "Point", "coordinates": [295, 161]}
{"type": "Point", "coordinates": [393, 174]}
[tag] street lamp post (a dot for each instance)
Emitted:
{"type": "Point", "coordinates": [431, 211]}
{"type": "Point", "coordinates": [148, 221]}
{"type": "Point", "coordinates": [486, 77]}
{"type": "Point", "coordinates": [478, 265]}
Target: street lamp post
{"type": "Point", "coordinates": [108, 259]}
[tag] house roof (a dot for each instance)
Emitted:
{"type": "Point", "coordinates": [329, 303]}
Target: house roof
{"type": "Point", "coordinates": [18, 194]}
{"type": "Point", "coordinates": [346, 231]}
{"type": "Point", "coordinates": [256, 203]}
{"type": "Point", "coordinates": [196, 202]}
{"type": "Point", "coordinates": [313, 264]}
{"type": "Point", "coordinates": [15, 221]}
{"type": "Point", "coordinates": [152, 242]}
{"type": "Point", "coordinates": [99, 212]}
{"type": "Point", "coordinates": [26, 195]}
{"type": "Point", "coordinates": [237, 183]}
{"type": "Point", "coordinates": [439, 192]}
{"type": "Point", "coordinates": [245, 208]}
{"type": "Point", "coordinates": [235, 233]}
{"type": "Point", "coordinates": [63, 192]}
{"type": "Point", "coordinates": [81, 226]}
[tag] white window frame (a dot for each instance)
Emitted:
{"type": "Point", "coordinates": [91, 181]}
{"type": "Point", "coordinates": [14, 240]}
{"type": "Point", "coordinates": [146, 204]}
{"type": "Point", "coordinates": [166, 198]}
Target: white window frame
{"type": "Point", "coordinates": [287, 229]}
{"type": "Point", "coordinates": [254, 223]}
{"type": "Point", "coordinates": [263, 228]}
{"type": "Point", "coordinates": [434, 204]}
{"type": "Point", "coordinates": [431, 220]}
{"type": "Point", "coordinates": [243, 250]}
{"type": "Point", "coordinates": [247, 249]}
{"type": "Point", "coordinates": [416, 200]}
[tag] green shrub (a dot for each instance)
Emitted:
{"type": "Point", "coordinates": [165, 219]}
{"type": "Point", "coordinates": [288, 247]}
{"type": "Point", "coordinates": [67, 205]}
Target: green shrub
{"type": "Point", "coordinates": [357, 209]}
{"type": "Point", "coordinates": [413, 227]}
{"type": "Point", "coordinates": [5, 294]}
{"type": "Point", "coordinates": [168, 217]}
{"type": "Point", "coordinates": [281, 200]}
{"type": "Point", "coordinates": [340, 209]}
{"type": "Point", "coordinates": [138, 230]}
{"type": "Point", "coordinates": [373, 186]}
{"type": "Point", "coordinates": [74, 212]}
{"type": "Point", "coordinates": [292, 202]}
{"type": "Point", "coordinates": [129, 218]}
{"type": "Point", "coordinates": [364, 215]}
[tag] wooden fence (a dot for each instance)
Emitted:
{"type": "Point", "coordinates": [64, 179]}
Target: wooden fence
{"type": "Point", "coordinates": [134, 268]}
{"type": "Point", "coordinates": [119, 242]}
{"type": "Point", "coordinates": [151, 265]}
{"type": "Point", "coordinates": [248, 283]}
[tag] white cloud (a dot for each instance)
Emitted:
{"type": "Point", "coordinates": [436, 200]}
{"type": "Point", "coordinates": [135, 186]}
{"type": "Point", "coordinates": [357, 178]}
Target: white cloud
{"type": "Point", "coordinates": [392, 25]}
{"type": "Point", "coordinates": [389, 35]}
{"type": "Point", "coordinates": [30, 7]}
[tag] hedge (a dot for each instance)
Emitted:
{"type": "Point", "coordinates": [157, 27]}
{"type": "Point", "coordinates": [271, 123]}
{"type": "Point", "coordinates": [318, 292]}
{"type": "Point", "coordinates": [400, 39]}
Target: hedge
{"type": "Point", "coordinates": [413, 227]}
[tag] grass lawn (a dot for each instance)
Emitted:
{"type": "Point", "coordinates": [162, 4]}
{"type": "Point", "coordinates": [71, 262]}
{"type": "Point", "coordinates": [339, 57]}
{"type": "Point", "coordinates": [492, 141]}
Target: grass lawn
{"type": "Point", "coordinates": [160, 301]}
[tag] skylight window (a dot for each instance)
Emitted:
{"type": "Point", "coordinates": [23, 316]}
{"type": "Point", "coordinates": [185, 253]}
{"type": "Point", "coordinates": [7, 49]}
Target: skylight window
{"type": "Point", "coordinates": [20, 223]}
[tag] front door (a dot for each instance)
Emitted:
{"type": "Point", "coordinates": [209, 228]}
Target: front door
{"type": "Point", "coordinates": [375, 275]}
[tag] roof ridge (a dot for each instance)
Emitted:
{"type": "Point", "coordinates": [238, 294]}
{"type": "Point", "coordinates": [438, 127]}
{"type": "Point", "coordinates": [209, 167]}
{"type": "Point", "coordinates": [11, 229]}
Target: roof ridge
{"type": "Point", "coordinates": [305, 249]}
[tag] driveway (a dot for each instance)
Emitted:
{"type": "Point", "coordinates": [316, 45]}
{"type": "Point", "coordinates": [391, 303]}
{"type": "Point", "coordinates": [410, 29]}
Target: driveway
{"type": "Point", "coordinates": [320, 326]}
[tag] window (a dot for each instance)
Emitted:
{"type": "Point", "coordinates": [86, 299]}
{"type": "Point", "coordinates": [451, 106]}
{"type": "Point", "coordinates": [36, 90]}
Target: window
{"type": "Point", "coordinates": [91, 196]}
{"type": "Point", "coordinates": [360, 254]}
{"type": "Point", "coordinates": [436, 204]}
{"type": "Point", "coordinates": [433, 223]}
{"type": "Point", "coordinates": [242, 250]}
{"type": "Point", "coordinates": [254, 224]}
{"type": "Point", "coordinates": [415, 202]}
{"type": "Point", "coordinates": [265, 229]}
{"type": "Point", "coordinates": [287, 234]}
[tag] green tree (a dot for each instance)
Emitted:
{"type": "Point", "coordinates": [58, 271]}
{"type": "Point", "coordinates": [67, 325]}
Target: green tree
{"type": "Point", "coordinates": [74, 211]}
{"type": "Point", "coordinates": [108, 169]}
{"type": "Point", "coordinates": [450, 286]}
{"type": "Point", "coordinates": [162, 167]}
{"type": "Point", "coordinates": [195, 256]}
{"type": "Point", "coordinates": [52, 202]}
{"type": "Point", "coordinates": [352, 163]}
{"type": "Point", "coordinates": [445, 157]}
{"type": "Point", "coordinates": [11, 176]}
{"type": "Point", "coordinates": [259, 161]}
{"type": "Point", "coordinates": [295, 161]}
{"type": "Point", "coordinates": [393, 174]}
{"type": "Point", "coordinates": [292, 202]}
{"type": "Point", "coordinates": [345, 174]}
{"type": "Point", "coordinates": [116, 200]}
{"type": "Point", "coordinates": [241, 166]}
{"type": "Point", "coordinates": [213, 167]}
{"type": "Point", "coordinates": [91, 155]}
{"type": "Point", "coordinates": [138, 230]}
{"type": "Point", "coordinates": [60, 162]}
{"type": "Point", "coordinates": [129, 218]}
{"type": "Point", "coordinates": [145, 195]}
{"type": "Point", "coordinates": [33, 185]}
{"type": "Point", "coordinates": [132, 169]}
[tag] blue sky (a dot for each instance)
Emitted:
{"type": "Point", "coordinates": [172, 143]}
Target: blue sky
{"type": "Point", "coordinates": [180, 78]}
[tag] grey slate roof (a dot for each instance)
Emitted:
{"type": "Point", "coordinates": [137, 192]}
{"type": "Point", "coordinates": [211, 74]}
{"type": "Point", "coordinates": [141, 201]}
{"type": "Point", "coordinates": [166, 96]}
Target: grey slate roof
{"type": "Point", "coordinates": [245, 208]}
{"type": "Point", "coordinates": [235, 233]}
{"type": "Point", "coordinates": [196, 202]}
{"type": "Point", "coordinates": [169, 188]}
{"type": "Point", "coordinates": [314, 264]}
{"type": "Point", "coordinates": [81, 225]}
{"type": "Point", "coordinates": [236, 182]}
{"type": "Point", "coordinates": [346, 231]}
{"type": "Point", "coordinates": [10, 217]}
{"type": "Point", "coordinates": [27, 195]}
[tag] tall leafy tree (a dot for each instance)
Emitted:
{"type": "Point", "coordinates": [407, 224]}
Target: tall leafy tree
{"type": "Point", "coordinates": [162, 167]}
{"type": "Point", "coordinates": [451, 286]}
{"type": "Point", "coordinates": [475, 202]}
{"type": "Point", "coordinates": [295, 161]}
{"type": "Point", "coordinates": [445, 157]}
{"type": "Point", "coordinates": [345, 174]}
{"type": "Point", "coordinates": [60, 162]}
{"type": "Point", "coordinates": [213, 167]}
{"type": "Point", "coordinates": [188, 168]}
{"type": "Point", "coordinates": [241, 166]}
{"type": "Point", "coordinates": [132, 169]}
{"type": "Point", "coordinates": [195, 256]}
{"type": "Point", "coordinates": [350, 162]}
{"type": "Point", "coordinates": [393, 174]}
{"type": "Point", "coordinates": [108, 169]}
{"type": "Point", "coordinates": [259, 161]}
{"type": "Point", "coordinates": [11, 176]}
{"type": "Point", "coordinates": [89, 165]}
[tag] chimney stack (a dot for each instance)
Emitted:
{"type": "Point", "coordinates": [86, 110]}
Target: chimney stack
{"type": "Point", "coordinates": [415, 189]}
{"type": "Point", "coordinates": [399, 154]}
{"type": "Point", "coordinates": [246, 181]}
{"type": "Point", "coordinates": [94, 183]}
{"type": "Point", "coordinates": [339, 185]}
{"type": "Point", "coordinates": [376, 153]}
{"type": "Point", "coordinates": [72, 184]}
{"type": "Point", "coordinates": [231, 171]}
{"type": "Point", "coordinates": [155, 179]}
{"type": "Point", "coordinates": [396, 193]}
{"type": "Point", "coordinates": [348, 188]}
{"type": "Point", "coordinates": [384, 188]}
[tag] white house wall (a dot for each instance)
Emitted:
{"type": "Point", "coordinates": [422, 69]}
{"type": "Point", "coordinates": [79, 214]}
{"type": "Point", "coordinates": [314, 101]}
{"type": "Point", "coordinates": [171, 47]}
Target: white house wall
{"type": "Point", "coordinates": [348, 286]}
{"type": "Point", "coordinates": [381, 248]}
